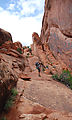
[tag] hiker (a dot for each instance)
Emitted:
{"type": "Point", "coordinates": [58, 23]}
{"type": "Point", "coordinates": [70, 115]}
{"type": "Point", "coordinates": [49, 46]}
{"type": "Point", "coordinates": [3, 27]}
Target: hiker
{"type": "Point", "coordinates": [38, 66]}
{"type": "Point", "coordinates": [43, 67]}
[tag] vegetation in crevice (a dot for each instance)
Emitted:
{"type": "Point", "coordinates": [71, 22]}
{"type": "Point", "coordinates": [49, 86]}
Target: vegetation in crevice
{"type": "Point", "coordinates": [19, 50]}
{"type": "Point", "coordinates": [3, 118]}
{"type": "Point", "coordinates": [10, 100]}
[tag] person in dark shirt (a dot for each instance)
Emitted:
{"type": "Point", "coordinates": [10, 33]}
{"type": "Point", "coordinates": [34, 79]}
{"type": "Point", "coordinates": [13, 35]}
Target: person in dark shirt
{"type": "Point", "coordinates": [38, 66]}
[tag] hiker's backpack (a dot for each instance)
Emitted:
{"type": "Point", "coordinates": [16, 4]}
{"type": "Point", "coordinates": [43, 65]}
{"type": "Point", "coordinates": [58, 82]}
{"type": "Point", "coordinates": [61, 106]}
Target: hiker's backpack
{"type": "Point", "coordinates": [37, 64]}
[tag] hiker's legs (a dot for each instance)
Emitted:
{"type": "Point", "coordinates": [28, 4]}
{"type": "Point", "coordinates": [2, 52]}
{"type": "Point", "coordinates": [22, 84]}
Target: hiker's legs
{"type": "Point", "coordinates": [39, 71]}
{"type": "Point", "coordinates": [39, 74]}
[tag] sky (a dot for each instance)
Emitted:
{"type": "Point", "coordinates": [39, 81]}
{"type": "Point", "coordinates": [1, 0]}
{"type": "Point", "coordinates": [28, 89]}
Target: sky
{"type": "Point", "coordinates": [21, 18]}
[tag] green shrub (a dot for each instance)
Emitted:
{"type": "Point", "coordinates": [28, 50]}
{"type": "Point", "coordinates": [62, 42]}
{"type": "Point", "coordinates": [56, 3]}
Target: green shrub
{"type": "Point", "coordinates": [4, 118]}
{"type": "Point", "coordinates": [9, 102]}
{"type": "Point", "coordinates": [55, 77]}
{"type": "Point", "coordinates": [14, 92]}
{"type": "Point", "coordinates": [23, 48]}
{"type": "Point", "coordinates": [8, 105]}
{"type": "Point", "coordinates": [19, 50]}
{"type": "Point", "coordinates": [65, 78]}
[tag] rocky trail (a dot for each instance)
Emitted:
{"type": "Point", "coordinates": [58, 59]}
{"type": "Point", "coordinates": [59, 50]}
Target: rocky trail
{"type": "Point", "coordinates": [40, 98]}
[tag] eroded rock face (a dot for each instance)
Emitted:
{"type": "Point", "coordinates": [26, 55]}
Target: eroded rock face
{"type": "Point", "coordinates": [4, 36]}
{"type": "Point", "coordinates": [56, 30]}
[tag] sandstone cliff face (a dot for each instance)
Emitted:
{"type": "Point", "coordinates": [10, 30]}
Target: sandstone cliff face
{"type": "Point", "coordinates": [56, 30]}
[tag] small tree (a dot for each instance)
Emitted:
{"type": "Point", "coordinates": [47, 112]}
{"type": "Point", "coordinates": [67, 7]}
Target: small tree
{"type": "Point", "coordinates": [30, 50]}
{"type": "Point", "coordinates": [19, 50]}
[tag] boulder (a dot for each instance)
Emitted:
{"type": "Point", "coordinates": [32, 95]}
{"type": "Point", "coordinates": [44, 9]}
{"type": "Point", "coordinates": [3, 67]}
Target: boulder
{"type": "Point", "coordinates": [4, 36]}
{"type": "Point", "coordinates": [17, 45]}
{"type": "Point", "coordinates": [6, 43]}
{"type": "Point", "coordinates": [24, 76]}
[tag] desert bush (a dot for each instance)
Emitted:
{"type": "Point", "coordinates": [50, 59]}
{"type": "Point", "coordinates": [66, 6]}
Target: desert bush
{"type": "Point", "coordinates": [55, 77]}
{"type": "Point", "coordinates": [65, 77]}
{"type": "Point", "coordinates": [19, 50]}
{"type": "Point", "coordinates": [11, 99]}
{"type": "Point", "coordinates": [8, 105]}
{"type": "Point", "coordinates": [3, 118]}
{"type": "Point", "coordinates": [23, 48]}
{"type": "Point", "coordinates": [14, 92]}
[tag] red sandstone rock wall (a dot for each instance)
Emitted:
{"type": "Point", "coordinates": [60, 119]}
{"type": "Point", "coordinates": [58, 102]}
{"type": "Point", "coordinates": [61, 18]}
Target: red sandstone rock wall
{"type": "Point", "coordinates": [57, 29]}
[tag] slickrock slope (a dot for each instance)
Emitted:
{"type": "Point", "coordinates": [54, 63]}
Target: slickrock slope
{"type": "Point", "coordinates": [56, 31]}
{"type": "Point", "coordinates": [41, 98]}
